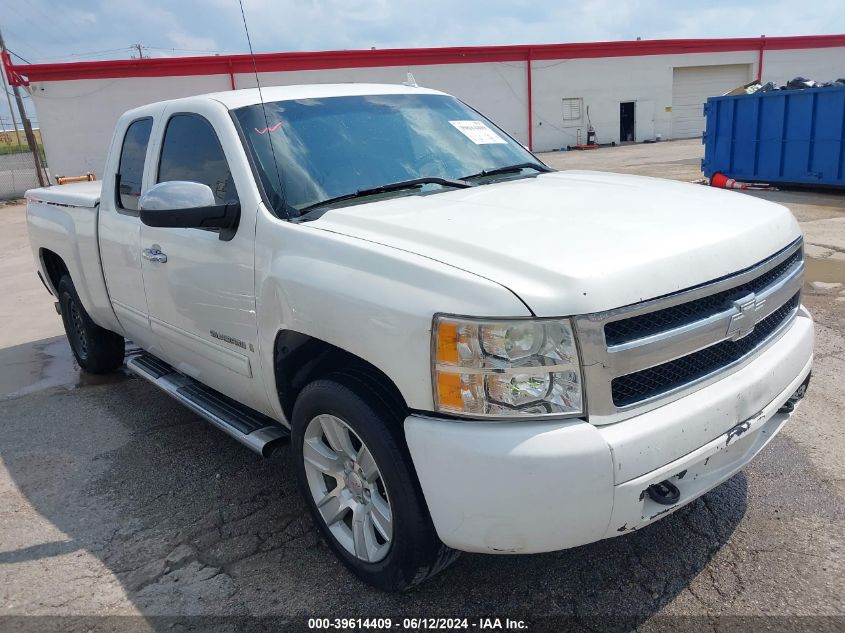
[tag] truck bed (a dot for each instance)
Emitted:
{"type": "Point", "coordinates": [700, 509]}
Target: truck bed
{"type": "Point", "coordinates": [63, 224]}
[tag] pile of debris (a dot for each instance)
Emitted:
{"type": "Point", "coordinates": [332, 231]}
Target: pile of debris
{"type": "Point", "coordinates": [799, 83]}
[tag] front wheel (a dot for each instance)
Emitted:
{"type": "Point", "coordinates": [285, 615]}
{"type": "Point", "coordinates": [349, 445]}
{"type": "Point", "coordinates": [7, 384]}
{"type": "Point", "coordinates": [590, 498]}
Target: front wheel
{"type": "Point", "coordinates": [356, 476]}
{"type": "Point", "coordinates": [97, 350]}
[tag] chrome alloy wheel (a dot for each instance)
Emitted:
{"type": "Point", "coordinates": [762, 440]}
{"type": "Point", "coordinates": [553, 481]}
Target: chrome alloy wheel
{"type": "Point", "coordinates": [347, 487]}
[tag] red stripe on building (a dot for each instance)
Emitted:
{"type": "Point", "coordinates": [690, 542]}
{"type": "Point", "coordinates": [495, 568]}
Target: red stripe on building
{"type": "Point", "coordinates": [325, 60]}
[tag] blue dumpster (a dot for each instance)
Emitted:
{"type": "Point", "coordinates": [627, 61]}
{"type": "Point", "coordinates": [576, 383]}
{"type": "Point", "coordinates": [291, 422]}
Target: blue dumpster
{"type": "Point", "coordinates": [784, 136]}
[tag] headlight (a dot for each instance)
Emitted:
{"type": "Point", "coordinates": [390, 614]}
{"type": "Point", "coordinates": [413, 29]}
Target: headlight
{"type": "Point", "coordinates": [505, 368]}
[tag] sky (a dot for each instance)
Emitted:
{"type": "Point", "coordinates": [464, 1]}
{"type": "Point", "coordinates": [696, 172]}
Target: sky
{"type": "Point", "coordinates": [53, 31]}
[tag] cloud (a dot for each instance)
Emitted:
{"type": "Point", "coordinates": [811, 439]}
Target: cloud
{"type": "Point", "coordinates": [183, 40]}
{"type": "Point", "coordinates": [81, 18]}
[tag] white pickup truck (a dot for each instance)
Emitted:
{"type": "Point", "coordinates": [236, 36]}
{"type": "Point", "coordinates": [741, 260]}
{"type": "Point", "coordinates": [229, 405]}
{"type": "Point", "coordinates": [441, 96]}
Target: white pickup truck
{"type": "Point", "coordinates": [466, 349]}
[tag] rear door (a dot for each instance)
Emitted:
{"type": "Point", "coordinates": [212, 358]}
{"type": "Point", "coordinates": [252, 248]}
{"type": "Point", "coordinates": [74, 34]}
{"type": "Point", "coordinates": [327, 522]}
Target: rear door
{"type": "Point", "coordinates": [202, 299]}
{"type": "Point", "coordinates": [120, 226]}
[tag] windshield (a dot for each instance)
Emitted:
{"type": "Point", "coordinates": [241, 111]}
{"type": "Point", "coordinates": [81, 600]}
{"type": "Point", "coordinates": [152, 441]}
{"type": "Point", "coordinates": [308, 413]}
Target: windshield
{"type": "Point", "coordinates": [328, 148]}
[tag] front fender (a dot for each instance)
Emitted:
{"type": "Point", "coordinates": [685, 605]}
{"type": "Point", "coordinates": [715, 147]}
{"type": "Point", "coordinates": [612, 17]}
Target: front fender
{"type": "Point", "coordinates": [373, 301]}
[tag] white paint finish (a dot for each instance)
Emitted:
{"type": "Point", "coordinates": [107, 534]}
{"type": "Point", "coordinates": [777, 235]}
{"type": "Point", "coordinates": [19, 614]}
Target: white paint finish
{"type": "Point", "coordinates": [704, 468]}
{"type": "Point", "coordinates": [192, 346]}
{"type": "Point", "coordinates": [374, 301]}
{"type": "Point", "coordinates": [536, 487]}
{"type": "Point", "coordinates": [120, 250]}
{"type": "Point", "coordinates": [135, 322]}
{"type": "Point", "coordinates": [516, 488]}
{"type": "Point", "coordinates": [120, 241]}
{"type": "Point", "coordinates": [648, 441]}
{"type": "Point", "coordinates": [207, 284]}
{"type": "Point", "coordinates": [71, 233]}
{"type": "Point", "coordinates": [691, 87]}
{"type": "Point", "coordinates": [579, 242]}
{"type": "Point", "coordinates": [233, 99]}
{"type": "Point", "coordinates": [77, 194]}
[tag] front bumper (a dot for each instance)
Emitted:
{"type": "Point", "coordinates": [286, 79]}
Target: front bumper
{"type": "Point", "coordinates": [528, 487]}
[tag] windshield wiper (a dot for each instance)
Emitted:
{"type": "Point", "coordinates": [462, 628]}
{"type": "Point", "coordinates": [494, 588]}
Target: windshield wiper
{"type": "Point", "coordinates": [392, 186]}
{"type": "Point", "coordinates": [509, 169]}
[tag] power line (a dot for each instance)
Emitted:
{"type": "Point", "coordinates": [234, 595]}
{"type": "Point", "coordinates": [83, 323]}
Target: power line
{"type": "Point", "coordinates": [25, 61]}
{"type": "Point", "coordinates": [185, 50]}
{"type": "Point", "coordinates": [84, 54]}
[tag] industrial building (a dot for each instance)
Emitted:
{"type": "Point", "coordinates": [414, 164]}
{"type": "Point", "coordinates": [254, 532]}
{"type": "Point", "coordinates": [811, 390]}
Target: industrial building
{"type": "Point", "coordinates": [546, 96]}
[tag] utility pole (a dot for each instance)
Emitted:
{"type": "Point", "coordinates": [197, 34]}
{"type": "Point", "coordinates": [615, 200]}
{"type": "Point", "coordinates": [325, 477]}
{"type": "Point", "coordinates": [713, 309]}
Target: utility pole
{"type": "Point", "coordinates": [27, 126]}
{"type": "Point", "coordinates": [140, 50]}
{"type": "Point", "coordinates": [11, 109]}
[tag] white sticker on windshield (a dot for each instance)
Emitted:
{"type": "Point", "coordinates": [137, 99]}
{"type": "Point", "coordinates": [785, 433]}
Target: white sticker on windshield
{"type": "Point", "coordinates": [477, 132]}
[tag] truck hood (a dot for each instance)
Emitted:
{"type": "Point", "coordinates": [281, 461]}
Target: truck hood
{"type": "Point", "coordinates": [576, 242]}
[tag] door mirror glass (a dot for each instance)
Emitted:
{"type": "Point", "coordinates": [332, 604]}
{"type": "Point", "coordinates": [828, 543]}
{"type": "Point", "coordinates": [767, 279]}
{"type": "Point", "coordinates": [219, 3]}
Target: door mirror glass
{"type": "Point", "coordinates": [188, 205]}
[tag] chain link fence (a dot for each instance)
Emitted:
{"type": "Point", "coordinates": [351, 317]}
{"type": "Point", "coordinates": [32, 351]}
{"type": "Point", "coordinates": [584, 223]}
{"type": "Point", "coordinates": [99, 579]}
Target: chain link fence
{"type": "Point", "coordinates": [17, 165]}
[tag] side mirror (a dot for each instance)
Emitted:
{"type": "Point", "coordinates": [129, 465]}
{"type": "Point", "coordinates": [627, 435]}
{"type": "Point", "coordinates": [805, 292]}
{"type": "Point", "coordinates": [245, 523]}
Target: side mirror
{"type": "Point", "coordinates": [187, 205]}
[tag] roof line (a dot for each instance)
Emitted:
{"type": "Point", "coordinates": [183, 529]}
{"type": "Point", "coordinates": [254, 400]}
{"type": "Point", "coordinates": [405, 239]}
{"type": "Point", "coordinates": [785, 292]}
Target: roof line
{"type": "Point", "coordinates": [324, 60]}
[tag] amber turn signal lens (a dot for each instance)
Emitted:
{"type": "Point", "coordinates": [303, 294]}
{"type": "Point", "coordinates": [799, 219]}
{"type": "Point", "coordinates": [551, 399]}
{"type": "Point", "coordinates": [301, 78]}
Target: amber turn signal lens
{"type": "Point", "coordinates": [447, 343]}
{"type": "Point", "coordinates": [449, 390]}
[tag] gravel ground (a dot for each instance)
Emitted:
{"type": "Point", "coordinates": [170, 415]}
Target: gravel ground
{"type": "Point", "coordinates": [122, 509]}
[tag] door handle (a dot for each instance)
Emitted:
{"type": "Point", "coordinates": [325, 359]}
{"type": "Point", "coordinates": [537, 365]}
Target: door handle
{"type": "Point", "coordinates": [154, 255]}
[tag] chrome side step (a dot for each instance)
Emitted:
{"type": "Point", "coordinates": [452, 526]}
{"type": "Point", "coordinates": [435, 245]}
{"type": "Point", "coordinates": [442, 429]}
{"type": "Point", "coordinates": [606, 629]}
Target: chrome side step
{"type": "Point", "coordinates": [255, 430]}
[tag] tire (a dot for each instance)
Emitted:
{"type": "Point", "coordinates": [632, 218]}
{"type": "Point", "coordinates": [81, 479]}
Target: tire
{"type": "Point", "coordinates": [97, 350]}
{"type": "Point", "coordinates": [373, 422]}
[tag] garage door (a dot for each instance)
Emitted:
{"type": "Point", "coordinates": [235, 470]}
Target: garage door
{"type": "Point", "coordinates": [690, 88]}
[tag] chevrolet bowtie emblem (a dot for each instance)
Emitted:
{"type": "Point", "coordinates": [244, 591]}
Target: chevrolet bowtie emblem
{"type": "Point", "coordinates": [743, 321]}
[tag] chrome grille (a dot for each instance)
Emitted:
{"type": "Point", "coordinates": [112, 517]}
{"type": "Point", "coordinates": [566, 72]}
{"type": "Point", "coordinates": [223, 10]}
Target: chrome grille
{"type": "Point", "coordinates": [624, 330]}
{"type": "Point", "coordinates": [644, 355]}
{"type": "Point", "coordinates": [653, 381]}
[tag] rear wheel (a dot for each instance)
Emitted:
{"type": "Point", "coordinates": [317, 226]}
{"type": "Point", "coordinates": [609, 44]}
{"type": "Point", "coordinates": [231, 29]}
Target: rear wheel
{"type": "Point", "coordinates": [97, 350]}
{"type": "Point", "coordinates": [356, 476]}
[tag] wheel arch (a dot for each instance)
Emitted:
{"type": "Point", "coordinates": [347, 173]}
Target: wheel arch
{"type": "Point", "coordinates": [299, 359]}
{"type": "Point", "coordinates": [54, 268]}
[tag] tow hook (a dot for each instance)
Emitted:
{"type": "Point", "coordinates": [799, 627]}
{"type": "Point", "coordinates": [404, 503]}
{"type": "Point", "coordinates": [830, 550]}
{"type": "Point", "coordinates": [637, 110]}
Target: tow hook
{"type": "Point", "coordinates": [665, 493]}
{"type": "Point", "coordinates": [789, 405]}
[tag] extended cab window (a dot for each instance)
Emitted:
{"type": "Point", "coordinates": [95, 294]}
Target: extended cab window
{"type": "Point", "coordinates": [131, 167]}
{"type": "Point", "coordinates": [192, 152]}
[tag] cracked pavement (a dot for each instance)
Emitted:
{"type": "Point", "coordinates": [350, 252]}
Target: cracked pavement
{"type": "Point", "coordinates": [116, 500]}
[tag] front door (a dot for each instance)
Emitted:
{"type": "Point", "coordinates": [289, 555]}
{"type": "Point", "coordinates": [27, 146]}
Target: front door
{"type": "Point", "coordinates": [202, 298]}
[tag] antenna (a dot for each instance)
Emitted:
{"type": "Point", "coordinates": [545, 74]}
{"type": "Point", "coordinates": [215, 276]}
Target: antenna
{"type": "Point", "coordinates": [263, 107]}
{"type": "Point", "coordinates": [410, 81]}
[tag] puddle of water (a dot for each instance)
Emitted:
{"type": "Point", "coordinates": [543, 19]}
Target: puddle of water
{"type": "Point", "coordinates": [37, 366]}
{"type": "Point", "coordinates": [827, 270]}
